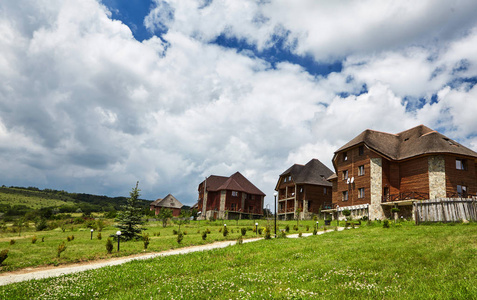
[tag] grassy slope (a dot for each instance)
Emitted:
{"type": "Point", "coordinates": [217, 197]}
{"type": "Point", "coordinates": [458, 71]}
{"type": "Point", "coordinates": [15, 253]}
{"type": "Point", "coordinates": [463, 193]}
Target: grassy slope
{"type": "Point", "coordinates": [425, 262]}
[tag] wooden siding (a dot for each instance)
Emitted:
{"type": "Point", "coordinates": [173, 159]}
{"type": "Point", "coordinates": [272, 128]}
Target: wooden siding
{"type": "Point", "coordinates": [414, 175]}
{"type": "Point", "coordinates": [456, 177]}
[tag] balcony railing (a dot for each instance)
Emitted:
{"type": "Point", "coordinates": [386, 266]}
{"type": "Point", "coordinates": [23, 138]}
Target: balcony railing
{"type": "Point", "coordinates": [289, 209]}
{"type": "Point", "coordinates": [406, 196]}
{"type": "Point", "coordinates": [257, 211]}
{"type": "Point", "coordinates": [329, 205]}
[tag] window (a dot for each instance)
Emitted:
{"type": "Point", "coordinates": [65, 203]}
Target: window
{"type": "Point", "coordinates": [360, 170]}
{"type": "Point", "coordinates": [345, 156]}
{"type": "Point", "coordinates": [234, 194]}
{"type": "Point", "coordinates": [345, 175]}
{"type": "Point", "coordinates": [285, 180]}
{"type": "Point", "coordinates": [233, 206]}
{"type": "Point", "coordinates": [461, 190]}
{"type": "Point", "coordinates": [461, 164]}
{"type": "Point", "coordinates": [361, 193]}
{"type": "Point", "coordinates": [325, 191]}
{"type": "Point", "coordinates": [361, 150]}
{"type": "Point", "coordinates": [301, 190]}
{"type": "Point", "coordinates": [345, 196]}
{"type": "Point", "coordinates": [289, 178]}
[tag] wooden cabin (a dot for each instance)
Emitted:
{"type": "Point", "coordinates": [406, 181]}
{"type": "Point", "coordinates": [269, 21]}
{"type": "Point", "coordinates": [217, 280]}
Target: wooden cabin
{"type": "Point", "coordinates": [169, 202]}
{"type": "Point", "coordinates": [231, 197]}
{"type": "Point", "coordinates": [376, 171]}
{"type": "Point", "coordinates": [302, 190]}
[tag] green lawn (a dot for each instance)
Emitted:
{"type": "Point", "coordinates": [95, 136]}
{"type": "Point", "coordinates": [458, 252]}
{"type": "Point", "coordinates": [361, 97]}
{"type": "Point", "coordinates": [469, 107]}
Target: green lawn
{"type": "Point", "coordinates": [405, 262]}
{"type": "Point", "coordinates": [24, 254]}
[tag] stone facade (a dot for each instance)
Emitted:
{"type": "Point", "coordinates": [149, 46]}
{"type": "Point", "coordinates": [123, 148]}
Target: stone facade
{"type": "Point", "coordinates": [437, 177]}
{"type": "Point", "coordinates": [223, 195]}
{"type": "Point", "coordinates": [375, 208]}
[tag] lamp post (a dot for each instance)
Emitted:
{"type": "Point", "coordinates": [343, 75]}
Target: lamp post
{"type": "Point", "coordinates": [256, 228]}
{"type": "Point", "coordinates": [316, 225]}
{"type": "Point", "coordinates": [92, 234]}
{"type": "Point", "coordinates": [118, 234]}
{"type": "Point", "coordinates": [275, 194]}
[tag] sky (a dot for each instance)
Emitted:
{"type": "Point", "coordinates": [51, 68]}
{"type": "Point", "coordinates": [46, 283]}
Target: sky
{"type": "Point", "coordinates": [96, 95]}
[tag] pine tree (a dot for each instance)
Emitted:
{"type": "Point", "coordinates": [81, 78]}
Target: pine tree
{"type": "Point", "coordinates": [129, 219]}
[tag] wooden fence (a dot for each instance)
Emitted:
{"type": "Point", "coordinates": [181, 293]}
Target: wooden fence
{"type": "Point", "coordinates": [446, 210]}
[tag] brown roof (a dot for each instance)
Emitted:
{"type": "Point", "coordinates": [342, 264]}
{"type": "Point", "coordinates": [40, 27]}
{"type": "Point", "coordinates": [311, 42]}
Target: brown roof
{"type": "Point", "coordinates": [314, 172]}
{"type": "Point", "coordinates": [409, 143]}
{"type": "Point", "coordinates": [169, 201]}
{"type": "Point", "coordinates": [236, 182]}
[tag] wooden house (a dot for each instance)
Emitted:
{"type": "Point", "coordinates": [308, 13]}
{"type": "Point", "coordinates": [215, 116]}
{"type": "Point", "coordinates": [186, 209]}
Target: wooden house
{"type": "Point", "coordinates": [376, 171]}
{"type": "Point", "coordinates": [303, 189]}
{"type": "Point", "coordinates": [231, 197]}
{"type": "Point", "coordinates": [169, 202]}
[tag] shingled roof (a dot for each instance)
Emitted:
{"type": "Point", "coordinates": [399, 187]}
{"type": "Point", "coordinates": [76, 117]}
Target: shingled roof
{"type": "Point", "coordinates": [409, 143]}
{"type": "Point", "coordinates": [314, 172]}
{"type": "Point", "coordinates": [236, 182]}
{"type": "Point", "coordinates": [169, 201]}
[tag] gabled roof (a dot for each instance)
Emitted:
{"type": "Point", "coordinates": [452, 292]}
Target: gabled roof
{"type": "Point", "coordinates": [169, 201]}
{"type": "Point", "coordinates": [409, 143]}
{"type": "Point", "coordinates": [314, 172]}
{"type": "Point", "coordinates": [236, 182]}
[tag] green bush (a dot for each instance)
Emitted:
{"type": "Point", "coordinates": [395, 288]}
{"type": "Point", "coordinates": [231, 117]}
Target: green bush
{"type": "Point", "coordinates": [315, 232]}
{"type": "Point", "coordinates": [299, 234]}
{"type": "Point", "coordinates": [41, 224]}
{"type": "Point", "coordinates": [307, 227]}
{"type": "Point", "coordinates": [226, 231]}
{"type": "Point", "coordinates": [283, 234]}
{"type": "Point", "coordinates": [34, 239]}
{"type": "Point", "coordinates": [295, 227]}
{"type": "Point", "coordinates": [174, 232]}
{"type": "Point", "coordinates": [204, 235]}
{"type": "Point", "coordinates": [109, 245]}
{"type": "Point", "coordinates": [386, 224]}
{"type": "Point", "coordinates": [240, 240]}
{"type": "Point", "coordinates": [145, 240]}
{"type": "Point", "coordinates": [3, 255]}
{"type": "Point", "coordinates": [99, 236]}
{"type": "Point", "coordinates": [180, 237]}
{"type": "Point", "coordinates": [243, 231]}
{"type": "Point", "coordinates": [12, 242]}
{"type": "Point", "coordinates": [267, 233]}
{"type": "Point", "coordinates": [287, 228]}
{"type": "Point", "coordinates": [61, 248]}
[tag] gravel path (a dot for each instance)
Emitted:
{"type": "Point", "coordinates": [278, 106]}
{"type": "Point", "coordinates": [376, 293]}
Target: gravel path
{"type": "Point", "coordinates": [39, 273]}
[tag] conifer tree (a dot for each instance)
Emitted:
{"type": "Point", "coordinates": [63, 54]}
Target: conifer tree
{"type": "Point", "coordinates": [129, 219]}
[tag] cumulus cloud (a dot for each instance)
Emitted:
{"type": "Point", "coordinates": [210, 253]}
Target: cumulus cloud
{"type": "Point", "coordinates": [87, 108]}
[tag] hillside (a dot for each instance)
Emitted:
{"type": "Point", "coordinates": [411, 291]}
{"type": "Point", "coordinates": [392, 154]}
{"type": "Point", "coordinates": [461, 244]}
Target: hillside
{"type": "Point", "coordinates": [17, 201]}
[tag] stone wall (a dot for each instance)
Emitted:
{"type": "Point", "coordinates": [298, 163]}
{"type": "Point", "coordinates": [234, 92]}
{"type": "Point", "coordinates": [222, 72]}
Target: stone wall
{"type": "Point", "coordinates": [223, 195]}
{"type": "Point", "coordinates": [437, 176]}
{"type": "Point", "coordinates": [376, 170]}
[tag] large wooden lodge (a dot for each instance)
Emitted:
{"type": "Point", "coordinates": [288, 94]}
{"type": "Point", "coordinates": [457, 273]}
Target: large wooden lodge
{"type": "Point", "coordinates": [376, 171]}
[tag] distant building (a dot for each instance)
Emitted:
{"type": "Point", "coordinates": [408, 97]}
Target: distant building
{"type": "Point", "coordinates": [168, 202]}
{"type": "Point", "coordinates": [376, 171]}
{"type": "Point", "coordinates": [229, 198]}
{"type": "Point", "coordinates": [303, 188]}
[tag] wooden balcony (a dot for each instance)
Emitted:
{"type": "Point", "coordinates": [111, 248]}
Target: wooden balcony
{"type": "Point", "coordinates": [405, 196]}
{"type": "Point", "coordinates": [255, 211]}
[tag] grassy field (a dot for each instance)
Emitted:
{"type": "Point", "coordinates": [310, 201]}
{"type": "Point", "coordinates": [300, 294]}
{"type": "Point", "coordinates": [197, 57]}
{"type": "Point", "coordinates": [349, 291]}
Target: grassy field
{"type": "Point", "coordinates": [406, 262]}
{"type": "Point", "coordinates": [23, 253]}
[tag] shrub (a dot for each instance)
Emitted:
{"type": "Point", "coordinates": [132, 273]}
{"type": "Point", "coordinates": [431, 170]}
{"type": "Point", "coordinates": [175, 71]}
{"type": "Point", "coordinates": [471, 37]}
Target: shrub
{"type": "Point", "coordinates": [283, 234]}
{"type": "Point", "coordinates": [3, 255]}
{"type": "Point", "coordinates": [109, 245]}
{"type": "Point", "coordinates": [220, 229]}
{"type": "Point", "coordinates": [394, 209]}
{"type": "Point", "coordinates": [295, 227]}
{"type": "Point", "coordinates": [226, 231]}
{"type": "Point", "coordinates": [99, 224]}
{"type": "Point", "coordinates": [260, 230]}
{"type": "Point", "coordinates": [41, 224]}
{"type": "Point", "coordinates": [386, 224]}
{"type": "Point", "coordinates": [299, 234]}
{"type": "Point", "coordinates": [307, 227]}
{"type": "Point", "coordinates": [240, 240]}
{"type": "Point", "coordinates": [34, 239]}
{"type": "Point", "coordinates": [180, 237]}
{"type": "Point", "coordinates": [12, 242]}
{"type": "Point", "coordinates": [243, 231]}
{"type": "Point", "coordinates": [174, 232]}
{"type": "Point", "coordinates": [315, 232]}
{"type": "Point", "coordinates": [184, 232]}
{"type": "Point", "coordinates": [267, 233]}
{"type": "Point", "coordinates": [287, 228]}
{"type": "Point", "coordinates": [61, 248]}
{"type": "Point", "coordinates": [364, 218]}
{"type": "Point", "coordinates": [99, 236]}
{"type": "Point", "coordinates": [346, 212]}
{"type": "Point", "coordinates": [207, 230]}
{"type": "Point", "coordinates": [42, 239]}
{"type": "Point", "coordinates": [68, 238]}
{"type": "Point", "coordinates": [145, 240]}
{"type": "Point", "coordinates": [204, 235]}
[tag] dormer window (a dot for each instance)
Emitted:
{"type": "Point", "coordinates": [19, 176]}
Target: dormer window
{"type": "Point", "coordinates": [345, 156]}
{"type": "Point", "coordinates": [234, 194]}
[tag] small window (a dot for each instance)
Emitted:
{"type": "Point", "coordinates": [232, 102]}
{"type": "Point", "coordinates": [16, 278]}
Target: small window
{"type": "Point", "coordinates": [301, 190]}
{"type": "Point", "coordinates": [361, 193]}
{"type": "Point", "coordinates": [461, 190]}
{"type": "Point", "coordinates": [289, 178]}
{"type": "Point", "coordinates": [345, 156]}
{"type": "Point", "coordinates": [345, 196]}
{"type": "Point", "coordinates": [345, 175]}
{"type": "Point", "coordinates": [325, 191]}
{"type": "Point", "coordinates": [285, 180]}
{"type": "Point", "coordinates": [232, 206]}
{"type": "Point", "coordinates": [361, 170]}
{"type": "Point", "coordinates": [234, 194]}
{"type": "Point", "coordinates": [461, 164]}
{"type": "Point", "coordinates": [361, 150]}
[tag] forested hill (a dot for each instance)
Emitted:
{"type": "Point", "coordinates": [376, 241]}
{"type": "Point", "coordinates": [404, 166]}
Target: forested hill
{"type": "Point", "coordinates": [15, 201]}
